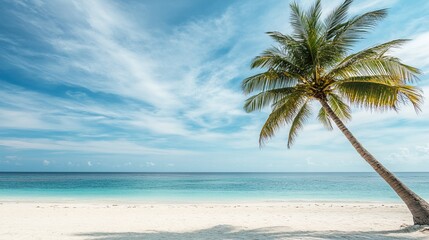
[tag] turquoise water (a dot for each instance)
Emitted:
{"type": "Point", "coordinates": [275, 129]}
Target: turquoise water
{"type": "Point", "coordinates": [206, 186]}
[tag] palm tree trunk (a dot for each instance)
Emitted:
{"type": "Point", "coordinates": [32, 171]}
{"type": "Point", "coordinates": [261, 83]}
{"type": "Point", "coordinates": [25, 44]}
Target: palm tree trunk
{"type": "Point", "coordinates": [418, 207]}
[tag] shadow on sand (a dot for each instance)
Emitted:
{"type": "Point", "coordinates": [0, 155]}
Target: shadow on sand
{"type": "Point", "coordinates": [230, 232]}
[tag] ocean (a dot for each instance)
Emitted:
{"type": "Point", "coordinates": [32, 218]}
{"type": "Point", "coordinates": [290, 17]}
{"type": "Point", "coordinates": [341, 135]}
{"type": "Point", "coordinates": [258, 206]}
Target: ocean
{"type": "Point", "coordinates": [177, 187]}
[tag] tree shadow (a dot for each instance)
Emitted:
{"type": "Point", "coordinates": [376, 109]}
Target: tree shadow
{"type": "Point", "coordinates": [272, 233]}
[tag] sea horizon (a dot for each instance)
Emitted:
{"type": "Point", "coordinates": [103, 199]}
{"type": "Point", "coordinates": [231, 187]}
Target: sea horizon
{"type": "Point", "coordinates": [206, 186]}
{"type": "Point", "coordinates": [206, 172]}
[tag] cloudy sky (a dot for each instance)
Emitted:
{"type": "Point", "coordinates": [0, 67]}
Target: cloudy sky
{"type": "Point", "coordinates": [155, 86]}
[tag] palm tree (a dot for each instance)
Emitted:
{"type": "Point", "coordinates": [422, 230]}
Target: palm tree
{"type": "Point", "coordinates": [312, 64]}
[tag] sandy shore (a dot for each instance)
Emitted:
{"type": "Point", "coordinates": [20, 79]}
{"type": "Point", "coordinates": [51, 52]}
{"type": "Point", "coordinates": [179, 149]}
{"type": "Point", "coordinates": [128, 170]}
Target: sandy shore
{"type": "Point", "coordinates": [258, 220]}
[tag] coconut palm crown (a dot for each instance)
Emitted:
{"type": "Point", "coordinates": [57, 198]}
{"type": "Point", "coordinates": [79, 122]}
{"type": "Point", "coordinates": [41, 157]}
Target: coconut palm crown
{"type": "Point", "coordinates": [314, 64]}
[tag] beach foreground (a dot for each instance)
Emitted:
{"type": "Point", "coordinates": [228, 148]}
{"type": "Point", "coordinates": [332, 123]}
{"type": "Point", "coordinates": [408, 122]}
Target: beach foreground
{"type": "Point", "coordinates": [256, 220]}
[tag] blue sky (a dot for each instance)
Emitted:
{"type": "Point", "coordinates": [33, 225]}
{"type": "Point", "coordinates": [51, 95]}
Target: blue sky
{"type": "Point", "coordinates": [155, 86]}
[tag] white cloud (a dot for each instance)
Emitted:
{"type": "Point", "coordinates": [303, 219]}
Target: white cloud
{"type": "Point", "coordinates": [416, 52]}
{"type": "Point", "coordinates": [423, 149]}
{"type": "Point", "coordinates": [150, 164]}
{"type": "Point", "coordinates": [104, 146]}
{"type": "Point", "coordinates": [173, 72]}
{"type": "Point", "coordinates": [46, 162]}
{"type": "Point", "coordinates": [412, 155]}
{"type": "Point", "coordinates": [158, 73]}
{"type": "Point", "coordinates": [175, 91]}
{"type": "Point", "coordinates": [370, 5]}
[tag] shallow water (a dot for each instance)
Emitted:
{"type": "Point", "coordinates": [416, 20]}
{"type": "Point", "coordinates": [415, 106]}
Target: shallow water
{"type": "Point", "coordinates": [207, 186]}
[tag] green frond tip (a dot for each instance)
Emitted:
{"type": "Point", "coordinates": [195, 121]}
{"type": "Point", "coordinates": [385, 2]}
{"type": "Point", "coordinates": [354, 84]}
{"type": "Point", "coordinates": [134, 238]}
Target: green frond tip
{"type": "Point", "coordinates": [298, 123]}
{"type": "Point", "coordinates": [375, 67]}
{"type": "Point", "coordinates": [297, 20]}
{"type": "Point", "coordinates": [341, 109]}
{"type": "Point", "coordinates": [355, 28]}
{"type": "Point", "coordinates": [283, 113]}
{"type": "Point", "coordinates": [370, 53]}
{"type": "Point", "coordinates": [263, 99]}
{"type": "Point", "coordinates": [378, 95]}
{"type": "Point", "coordinates": [268, 80]}
{"type": "Point", "coordinates": [335, 19]}
{"type": "Point", "coordinates": [275, 58]}
{"type": "Point", "coordinates": [324, 119]}
{"type": "Point", "coordinates": [413, 95]}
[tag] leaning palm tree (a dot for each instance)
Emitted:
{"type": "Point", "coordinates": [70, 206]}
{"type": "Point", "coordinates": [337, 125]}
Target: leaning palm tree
{"type": "Point", "coordinates": [313, 64]}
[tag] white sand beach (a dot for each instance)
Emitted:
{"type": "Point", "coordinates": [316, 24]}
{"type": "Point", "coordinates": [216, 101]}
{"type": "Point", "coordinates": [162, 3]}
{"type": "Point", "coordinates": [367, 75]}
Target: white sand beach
{"type": "Point", "coordinates": [256, 220]}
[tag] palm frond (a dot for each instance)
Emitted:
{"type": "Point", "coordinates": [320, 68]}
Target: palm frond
{"type": "Point", "coordinates": [324, 119]}
{"type": "Point", "coordinates": [275, 58]}
{"type": "Point", "coordinates": [283, 113]}
{"type": "Point", "coordinates": [380, 95]}
{"type": "Point", "coordinates": [298, 123]}
{"type": "Point", "coordinates": [297, 52]}
{"type": "Point", "coordinates": [386, 66]}
{"type": "Point", "coordinates": [267, 81]}
{"type": "Point", "coordinates": [315, 33]}
{"type": "Point", "coordinates": [332, 51]}
{"type": "Point", "coordinates": [354, 29]}
{"type": "Point", "coordinates": [372, 52]}
{"type": "Point", "coordinates": [411, 94]}
{"type": "Point", "coordinates": [265, 98]}
{"type": "Point", "coordinates": [335, 19]}
{"type": "Point", "coordinates": [341, 109]}
{"type": "Point", "coordinates": [369, 53]}
{"type": "Point", "coordinates": [313, 22]}
{"type": "Point", "coordinates": [284, 40]}
{"type": "Point", "coordinates": [297, 20]}
{"type": "Point", "coordinates": [329, 55]}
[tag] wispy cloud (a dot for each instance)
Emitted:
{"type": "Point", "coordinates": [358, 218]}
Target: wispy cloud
{"type": "Point", "coordinates": [115, 147]}
{"type": "Point", "coordinates": [100, 77]}
{"type": "Point", "coordinates": [416, 52]}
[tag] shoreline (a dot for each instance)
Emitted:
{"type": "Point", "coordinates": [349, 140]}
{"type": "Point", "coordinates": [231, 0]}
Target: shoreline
{"type": "Point", "coordinates": [233, 220]}
{"type": "Point", "coordinates": [184, 201]}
